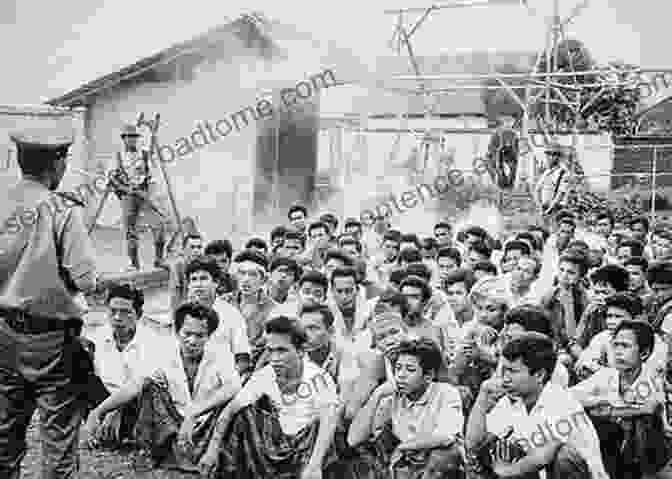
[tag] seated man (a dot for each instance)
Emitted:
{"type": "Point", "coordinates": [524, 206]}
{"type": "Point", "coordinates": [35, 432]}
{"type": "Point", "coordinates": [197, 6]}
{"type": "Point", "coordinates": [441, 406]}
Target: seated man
{"type": "Point", "coordinates": [317, 322]}
{"type": "Point", "coordinates": [201, 276]}
{"type": "Point", "coordinates": [599, 353]}
{"type": "Point", "coordinates": [522, 423]}
{"type": "Point", "coordinates": [124, 349]}
{"type": "Point", "coordinates": [283, 420]}
{"type": "Point", "coordinates": [424, 420]}
{"type": "Point", "coordinates": [523, 319]}
{"type": "Point", "coordinates": [625, 402]}
{"type": "Point", "coordinates": [185, 386]}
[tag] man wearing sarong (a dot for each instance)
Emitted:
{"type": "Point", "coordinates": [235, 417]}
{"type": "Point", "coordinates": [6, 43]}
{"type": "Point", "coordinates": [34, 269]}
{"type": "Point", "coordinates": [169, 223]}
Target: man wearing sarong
{"type": "Point", "coordinates": [625, 403]}
{"type": "Point", "coordinates": [282, 423]}
{"type": "Point", "coordinates": [423, 419]}
{"type": "Point", "coordinates": [124, 352]}
{"type": "Point", "coordinates": [202, 274]}
{"type": "Point", "coordinates": [522, 423]}
{"type": "Point", "coordinates": [175, 417]}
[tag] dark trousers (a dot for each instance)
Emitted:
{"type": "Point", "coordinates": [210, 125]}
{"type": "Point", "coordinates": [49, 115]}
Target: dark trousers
{"type": "Point", "coordinates": [34, 373]}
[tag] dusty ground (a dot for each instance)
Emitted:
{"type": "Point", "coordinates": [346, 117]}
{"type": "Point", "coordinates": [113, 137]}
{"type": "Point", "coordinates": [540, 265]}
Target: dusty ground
{"type": "Point", "coordinates": [107, 465]}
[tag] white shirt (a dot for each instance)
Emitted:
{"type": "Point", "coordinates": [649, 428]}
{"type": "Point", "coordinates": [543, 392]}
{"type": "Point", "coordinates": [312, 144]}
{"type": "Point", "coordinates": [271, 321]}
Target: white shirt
{"type": "Point", "coordinates": [557, 415]}
{"type": "Point", "coordinates": [214, 372]}
{"type": "Point", "coordinates": [316, 392]}
{"type": "Point", "coordinates": [232, 328]}
{"type": "Point", "coordinates": [601, 344]}
{"type": "Point", "coordinates": [137, 361]}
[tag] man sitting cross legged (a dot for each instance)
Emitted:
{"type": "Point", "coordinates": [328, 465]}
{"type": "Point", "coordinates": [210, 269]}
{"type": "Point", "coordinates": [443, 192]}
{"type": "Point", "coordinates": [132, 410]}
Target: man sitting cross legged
{"type": "Point", "coordinates": [522, 423]}
{"type": "Point", "coordinates": [186, 385]}
{"type": "Point", "coordinates": [124, 353]}
{"type": "Point", "coordinates": [625, 402]}
{"type": "Point", "coordinates": [421, 436]}
{"type": "Point", "coordinates": [282, 423]}
{"type": "Point", "coordinates": [201, 276]}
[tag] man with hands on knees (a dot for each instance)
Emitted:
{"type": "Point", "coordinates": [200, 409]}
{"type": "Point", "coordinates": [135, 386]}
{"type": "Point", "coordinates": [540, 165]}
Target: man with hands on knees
{"type": "Point", "coordinates": [175, 419]}
{"type": "Point", "coordinates": [522, 423]}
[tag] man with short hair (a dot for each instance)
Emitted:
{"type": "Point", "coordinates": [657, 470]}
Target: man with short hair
{"type": "Point", "coordinates": [477, 251]}
{"type": "Point", "coordinates": [222, 252]}
{"type": "Point", "coordinates": [192, 247]}
{"type": "Point", "coordinates": [285, 272]}
{"type": "Point", "coordinates": [175, 419]}
{"type": "Point", "coordinates": [284, 418]}
{"type": "Point", "coordinates": [510, 410]}
{"type": "Point", "coordinates": [443, 234]}
{"type": "Point", "coordinates": [125, 352]}
{"type": "Point", "coordinates": [448, 260]}
{"type": "Point", "coordinates": [349, 305]}
{"type": "Point", "coordinates": [298, 217]}
{"type": "Point", "coordinates": [202, 274]}
{"type": "Point", "coordinates": [513, 251]}
{"type": "Point", "coordinates": [46, 259]}
{"type": "Point", "coordinates": [457, 286]}
{"type": "Point", "coordinates": [660, 280]}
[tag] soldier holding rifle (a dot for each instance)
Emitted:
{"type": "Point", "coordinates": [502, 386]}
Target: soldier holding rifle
{"type": "Point", "coordinates": [42, 267]}
{"type": "Point", "coordinates": [133, 183]}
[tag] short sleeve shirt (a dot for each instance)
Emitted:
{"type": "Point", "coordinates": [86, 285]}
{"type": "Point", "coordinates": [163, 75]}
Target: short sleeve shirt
{"type": "Point", "coordinates": [315, 394]}
{"type": "Point", "coordinates": [557, 415]}
{"type": "Point", "coordinates": [438, 412]}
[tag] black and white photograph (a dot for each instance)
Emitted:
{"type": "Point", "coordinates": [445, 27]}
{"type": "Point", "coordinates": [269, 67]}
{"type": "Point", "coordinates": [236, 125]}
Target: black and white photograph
{"type": "Point", "coordinates": [336, 240]}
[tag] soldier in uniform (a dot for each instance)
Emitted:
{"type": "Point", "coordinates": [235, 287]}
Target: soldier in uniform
{"type": "Point", "coordinates": [43, 265]}
{"type": "Point", "coordinates": [553, 185]}
{"type": "Point", "coordinates": [136, 188]}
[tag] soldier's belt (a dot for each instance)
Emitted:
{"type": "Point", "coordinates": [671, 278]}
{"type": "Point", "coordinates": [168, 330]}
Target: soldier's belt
{"type": "Point", "coordinates": [27, 323]}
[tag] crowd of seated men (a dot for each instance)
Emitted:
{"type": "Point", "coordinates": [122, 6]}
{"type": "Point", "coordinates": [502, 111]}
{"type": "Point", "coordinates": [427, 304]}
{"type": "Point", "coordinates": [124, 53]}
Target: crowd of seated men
{"type": "Point", "coordinates": [372, 353]}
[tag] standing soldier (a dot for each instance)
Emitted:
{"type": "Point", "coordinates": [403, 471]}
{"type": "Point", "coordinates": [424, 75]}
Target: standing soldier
{"type": "Point", "coordinates": [44, 262]}
{"type": "Point", "coordinates": [136, 189]}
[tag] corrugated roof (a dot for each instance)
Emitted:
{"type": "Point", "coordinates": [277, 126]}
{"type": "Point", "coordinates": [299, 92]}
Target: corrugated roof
{"type": "Point", "coordinates": [241, 26]}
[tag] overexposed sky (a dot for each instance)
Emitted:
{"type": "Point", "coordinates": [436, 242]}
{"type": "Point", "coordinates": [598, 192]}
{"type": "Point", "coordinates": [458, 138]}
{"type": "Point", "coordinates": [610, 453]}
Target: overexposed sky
{"type": "Point", "coordinates": [50, 48]}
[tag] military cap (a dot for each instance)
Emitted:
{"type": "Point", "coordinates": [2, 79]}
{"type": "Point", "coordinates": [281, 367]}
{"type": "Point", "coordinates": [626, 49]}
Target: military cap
{"type": "Point", "coordinates": [129, 130]}
{"type": "Point", "coordinates": [43, 138]}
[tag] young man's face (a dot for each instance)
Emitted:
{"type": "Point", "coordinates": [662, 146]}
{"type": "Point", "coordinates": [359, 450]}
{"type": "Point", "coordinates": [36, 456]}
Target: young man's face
{"type": "Point", "coordinates": [409, 376]}
{"type": "Point", "coordinates": [292, 247]}
{"type": "Point", "coordinates": [446, 265]}
{"type": "Point", "coordinates": [512, 331]}
{"type": "Point", "coordinates": [201, 287]}
{"type": "Point", "coordinates": [603, 227]}
{"type": "Point", "coordinates": [311, 294]}
{"type": "Point", "coordinates": [319, 236]}
{"type": "Point", "coordinates": [456, 296]}
{"type": "Point", "coordinates": [598, 292]}
{"type": "Point", "coordinates": [568, 274]}
{"type": "Point", "coordinates": [331, 265]}
{"type": "Point", "coordinates": [283, 356]}
{"type": "Point", "coordinates": [596, 257]}
{"type": "Point", "coordinates": [524, 273]}
{"type": "Point", "coordinates": [122, 315]}
{"type": "Point", "coordinates": [193, 248]}
{"type": "Point", "coordinates": [637, 277]}
{"type": "Point", "coordinates": [192, 337]}
{"type": "Point", "coordinates": [282, 277]}
{"type": "Point", "coordinates": [316, 331]}
{"type": "Point", "coordinates": [223, 261]}
{"type": "Point", "coordinates": [442, 236]}
{"type": "Point", "coordinates": [626, 351]}
{"type": "Point", "coordinates": [517, 380]}
{"type": "Point", "coordinates": [566, 232]}
{"type": "Point", "coordinates": [276, 241]}
{"type": "Point", "coordinates": [415, 300]}
{"type": "Point", "coordinates": [510, 260]}
{"type": "Point", "coordinates": [390, 249]}
{"type": "Point", "coordinates": [623, 253]}
{"type": "Point", "coordinates": [298, 220]}
{"type": "Point", "coordinates": [387, 334]}
{"type": "Point", "coordinates": [615, 316]}
{"type": "Point", "coordinates": [488, 312]}
{"type": "Point", "coordinates": [344, 290]}
{"type": "Point", "coordinates": [250, 278]}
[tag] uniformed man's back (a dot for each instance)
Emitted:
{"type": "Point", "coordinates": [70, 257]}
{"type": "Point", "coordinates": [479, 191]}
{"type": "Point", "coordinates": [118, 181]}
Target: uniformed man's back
{"type": "Point", "coordinates": [46, 258]}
